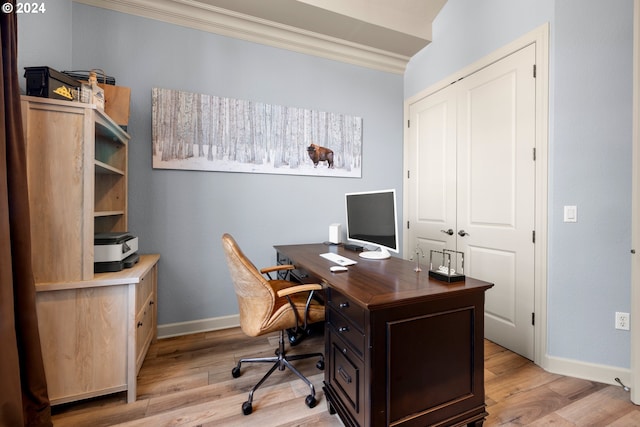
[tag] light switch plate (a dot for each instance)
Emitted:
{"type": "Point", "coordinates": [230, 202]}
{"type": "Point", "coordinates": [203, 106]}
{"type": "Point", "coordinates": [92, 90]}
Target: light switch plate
{"type": "Point", "coordinates": [570, 214]}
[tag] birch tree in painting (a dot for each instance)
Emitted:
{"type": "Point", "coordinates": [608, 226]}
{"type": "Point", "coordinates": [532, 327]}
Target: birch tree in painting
{"type": "Point", "coordinates": [206, 132]}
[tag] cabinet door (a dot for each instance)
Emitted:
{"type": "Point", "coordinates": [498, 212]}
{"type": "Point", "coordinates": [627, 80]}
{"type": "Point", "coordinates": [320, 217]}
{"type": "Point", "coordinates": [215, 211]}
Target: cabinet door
{"type": "Point", "coordinates": [60, 191]}
{"type": "Point", "coordinates": [84, 336]}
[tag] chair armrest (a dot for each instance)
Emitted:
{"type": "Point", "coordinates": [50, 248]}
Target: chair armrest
{"type": "Point", "coordinates": [299, 288]}
{"type": "Point", "coordinates": [268, 270]}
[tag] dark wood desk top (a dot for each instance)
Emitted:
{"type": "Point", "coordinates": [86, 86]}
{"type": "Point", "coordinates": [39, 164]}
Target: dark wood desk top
{"type": "Point", "coordinates": [377, 284]}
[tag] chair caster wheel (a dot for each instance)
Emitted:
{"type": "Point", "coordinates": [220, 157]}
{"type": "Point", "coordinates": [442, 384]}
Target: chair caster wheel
{"type": "Point", "coordinates": [320, 365]}
{"type": "Point", "coordinates": [246, 408]}
{"type": "Point", "coordinates": [235, 372]}
{"type": "Point", "coordinates": [294, 337]}
{"type": "Point", "coordinates": [310, 401]}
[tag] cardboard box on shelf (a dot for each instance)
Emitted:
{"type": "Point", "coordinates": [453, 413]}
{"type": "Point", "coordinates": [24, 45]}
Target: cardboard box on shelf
{"type": "Point", "coordinates": [116, 103]}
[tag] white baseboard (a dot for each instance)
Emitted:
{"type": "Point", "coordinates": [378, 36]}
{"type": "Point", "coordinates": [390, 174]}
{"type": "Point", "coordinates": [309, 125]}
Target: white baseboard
{"type": "Point", "coordinates": [588, 371]}
{"type": "Point", "coordinates": [203, 325]}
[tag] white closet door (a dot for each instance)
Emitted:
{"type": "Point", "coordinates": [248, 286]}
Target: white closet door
{"type": "Point", "coordinates": [471, 148]}
{"type": "Point", "coordinates": [496, 193]}
{"type": "Point", "coordinates": [432, 185]}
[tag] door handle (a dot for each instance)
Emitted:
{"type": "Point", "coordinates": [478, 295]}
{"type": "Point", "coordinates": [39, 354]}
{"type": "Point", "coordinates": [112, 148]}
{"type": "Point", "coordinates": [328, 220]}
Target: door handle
{"type": "Point", "coordinates": [449, 232]}
{"type": "Point", "coordinates": [462, 233]}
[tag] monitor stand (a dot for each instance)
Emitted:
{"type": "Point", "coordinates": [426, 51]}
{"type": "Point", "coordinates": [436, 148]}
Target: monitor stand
{"type": "Point", "coordinates": [383, 253]}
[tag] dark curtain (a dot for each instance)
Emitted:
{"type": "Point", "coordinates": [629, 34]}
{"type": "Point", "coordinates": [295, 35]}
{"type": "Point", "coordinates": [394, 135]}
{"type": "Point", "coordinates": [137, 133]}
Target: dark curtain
{"type": "Point", "coordinates": [23, 388]}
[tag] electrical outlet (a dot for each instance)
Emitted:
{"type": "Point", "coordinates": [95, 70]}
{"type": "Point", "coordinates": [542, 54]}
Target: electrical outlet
{"type": "Point", "coordinates": [622, 321]}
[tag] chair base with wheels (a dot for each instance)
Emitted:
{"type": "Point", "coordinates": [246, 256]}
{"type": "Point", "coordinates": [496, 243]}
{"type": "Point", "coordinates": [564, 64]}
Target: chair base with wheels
{"type": "Point", "coordinates": [280, 361]}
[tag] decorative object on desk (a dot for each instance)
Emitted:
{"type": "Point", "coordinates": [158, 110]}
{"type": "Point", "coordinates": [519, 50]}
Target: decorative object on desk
{"type": "Point", "coordinates": [335, 231]}
{"type": "Point", "coordinates": [205, 132]}
{"type": "Point", "coordinates": [444, 271]}
{"type": "Point", "coordinates": [419, 252]}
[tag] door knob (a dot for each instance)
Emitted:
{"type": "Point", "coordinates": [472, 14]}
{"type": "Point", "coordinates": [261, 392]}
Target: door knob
{"type": "Point", "coordinates": [449, 232]}
{"type": "Point", "coordinates": [462, 233]}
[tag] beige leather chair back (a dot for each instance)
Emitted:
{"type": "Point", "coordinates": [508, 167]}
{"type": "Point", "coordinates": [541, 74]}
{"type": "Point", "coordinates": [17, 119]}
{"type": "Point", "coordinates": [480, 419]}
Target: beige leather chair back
{"type": "Point", "coordinates": [256, 298]}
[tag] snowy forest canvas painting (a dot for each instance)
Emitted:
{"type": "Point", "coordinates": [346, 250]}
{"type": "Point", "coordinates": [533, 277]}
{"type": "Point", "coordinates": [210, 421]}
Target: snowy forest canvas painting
{"type": "Point", "coordinates": [205, 132]}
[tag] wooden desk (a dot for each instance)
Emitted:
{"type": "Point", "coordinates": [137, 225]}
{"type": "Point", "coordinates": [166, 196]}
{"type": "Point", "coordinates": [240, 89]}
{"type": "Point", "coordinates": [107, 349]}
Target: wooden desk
{"type": "Point", "coordinates": [401, 349]}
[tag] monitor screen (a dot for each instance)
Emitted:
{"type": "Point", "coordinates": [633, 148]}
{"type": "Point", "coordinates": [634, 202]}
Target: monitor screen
{"type": "Point", "coordinates": [372, 220]}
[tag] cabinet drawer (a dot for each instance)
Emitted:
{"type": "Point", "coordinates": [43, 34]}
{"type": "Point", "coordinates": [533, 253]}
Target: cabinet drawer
{"type": "Point", "coordinates": [343, 305]}
{"type": "Point", "coordinates": [144, 289]}
{"type": "Point", "coordinates": [144, 333]}
{"type": "Point", "coordinates": [344, 329]}
{"type": "Point", "coordinates": [347, 377]}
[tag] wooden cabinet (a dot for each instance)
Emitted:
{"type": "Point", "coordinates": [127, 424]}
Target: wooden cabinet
{"type": "Point", "coordinates": [401, 349]}
{"type": "Point", "coordinates": [77, 175]}
{"type": "Point", "coordinates": [95, 333]}
{"type": "Point", "coordinates": [95, 329]}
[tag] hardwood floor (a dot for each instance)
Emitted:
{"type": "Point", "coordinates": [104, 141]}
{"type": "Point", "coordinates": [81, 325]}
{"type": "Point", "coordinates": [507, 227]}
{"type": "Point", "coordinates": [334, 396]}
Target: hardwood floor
{"type": "Point", "coordinates": [186, 381]}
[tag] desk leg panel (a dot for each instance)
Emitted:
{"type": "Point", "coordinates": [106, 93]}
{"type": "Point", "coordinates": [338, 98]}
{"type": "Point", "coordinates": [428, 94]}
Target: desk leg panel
{"type": "Point", "coordinates": [433, 363]}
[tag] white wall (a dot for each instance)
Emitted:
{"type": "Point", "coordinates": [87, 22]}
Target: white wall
{"type": "Point", "coordinates": [589, 152]}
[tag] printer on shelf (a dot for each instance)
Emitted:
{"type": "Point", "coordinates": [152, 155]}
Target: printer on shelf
{"type": "Point", "coordinates": [114, 251]}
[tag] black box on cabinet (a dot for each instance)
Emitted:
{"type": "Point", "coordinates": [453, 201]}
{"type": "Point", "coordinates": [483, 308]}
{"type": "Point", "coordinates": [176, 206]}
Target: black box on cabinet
{"type": "Point", "coordinates": [46, 82]}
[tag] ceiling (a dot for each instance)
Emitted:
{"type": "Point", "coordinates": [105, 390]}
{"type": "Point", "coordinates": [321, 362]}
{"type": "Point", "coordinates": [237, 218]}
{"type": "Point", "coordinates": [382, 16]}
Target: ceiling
{"type": "Point", "coordinates": [380, 34]}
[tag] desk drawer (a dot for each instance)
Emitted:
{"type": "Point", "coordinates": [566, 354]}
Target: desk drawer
{"type": "Point", "coordinates": [343, 328]}
{"type": "Point", "coordinates": [343, 305]}
{"type": "Point", "coordinates": [347, 377]}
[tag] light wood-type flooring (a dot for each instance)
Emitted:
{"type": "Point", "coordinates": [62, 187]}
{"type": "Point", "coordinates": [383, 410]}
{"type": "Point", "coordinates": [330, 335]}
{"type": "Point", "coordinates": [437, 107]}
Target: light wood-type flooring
{"type": "Point", "coordinates": [186, 381]}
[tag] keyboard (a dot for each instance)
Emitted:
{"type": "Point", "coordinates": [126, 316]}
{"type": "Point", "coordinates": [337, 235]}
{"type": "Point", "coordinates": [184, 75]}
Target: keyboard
{"type": "Point", "coordinates": [338, 259]}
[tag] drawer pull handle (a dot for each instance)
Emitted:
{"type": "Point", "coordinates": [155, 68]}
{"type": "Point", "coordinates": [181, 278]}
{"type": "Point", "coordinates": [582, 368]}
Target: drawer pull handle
{"type": "Point", "coordinates": [151, 302]}
{"type": "Point", "coordinates": [343, 329]}
{"type": "Point", "coordinates": [139, 324]}
{"type": "Point", "coordinates": [344, 305]}
{"type": "Point", "coordinates": [346, 377]}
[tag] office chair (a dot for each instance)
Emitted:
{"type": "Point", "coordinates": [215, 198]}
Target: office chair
{"type": "Point", "coordinates": [267, 306]}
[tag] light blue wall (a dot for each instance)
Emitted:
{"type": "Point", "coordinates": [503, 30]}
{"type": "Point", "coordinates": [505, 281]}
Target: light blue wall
{"type": "Point", "coordinates": [45, 38]}
{"type": "Point", "coordinates": [465, 31]}
{"type": "Point", "coordinates": [589, 265]}
{"type": "Point", "coordinates": [183, 214]}
{"type": "Point", "coordinates": [589, 151]}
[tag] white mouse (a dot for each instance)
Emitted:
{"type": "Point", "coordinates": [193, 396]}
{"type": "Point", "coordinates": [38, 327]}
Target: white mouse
{"type": "Point", "coordinates": [337, 268]}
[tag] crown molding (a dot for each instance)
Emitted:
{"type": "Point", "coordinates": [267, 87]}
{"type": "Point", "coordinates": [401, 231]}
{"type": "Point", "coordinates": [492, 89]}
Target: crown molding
{"type": "Point", "coordinates": [200, 16]}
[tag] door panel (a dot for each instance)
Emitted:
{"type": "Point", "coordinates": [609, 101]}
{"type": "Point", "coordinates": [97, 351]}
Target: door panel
{"type": "Point", "coordinates": [501, 266]}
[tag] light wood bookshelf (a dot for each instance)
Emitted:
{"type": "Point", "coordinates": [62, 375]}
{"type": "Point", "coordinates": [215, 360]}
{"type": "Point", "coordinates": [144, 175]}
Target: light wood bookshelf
{"type": "Point", "coordinates": [95, 329]}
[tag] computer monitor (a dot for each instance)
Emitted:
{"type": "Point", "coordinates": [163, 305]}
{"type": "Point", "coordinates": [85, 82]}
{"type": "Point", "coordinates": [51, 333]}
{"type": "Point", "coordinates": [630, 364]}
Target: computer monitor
{"type": "Point", "coordinates": [372, 220]}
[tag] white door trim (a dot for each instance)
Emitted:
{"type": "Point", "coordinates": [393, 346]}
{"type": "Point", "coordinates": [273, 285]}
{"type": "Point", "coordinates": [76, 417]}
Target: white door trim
{"type": "Point", "coordinates": [635, 222]}
{"type": "Point", "coordinates": [540, 37]}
